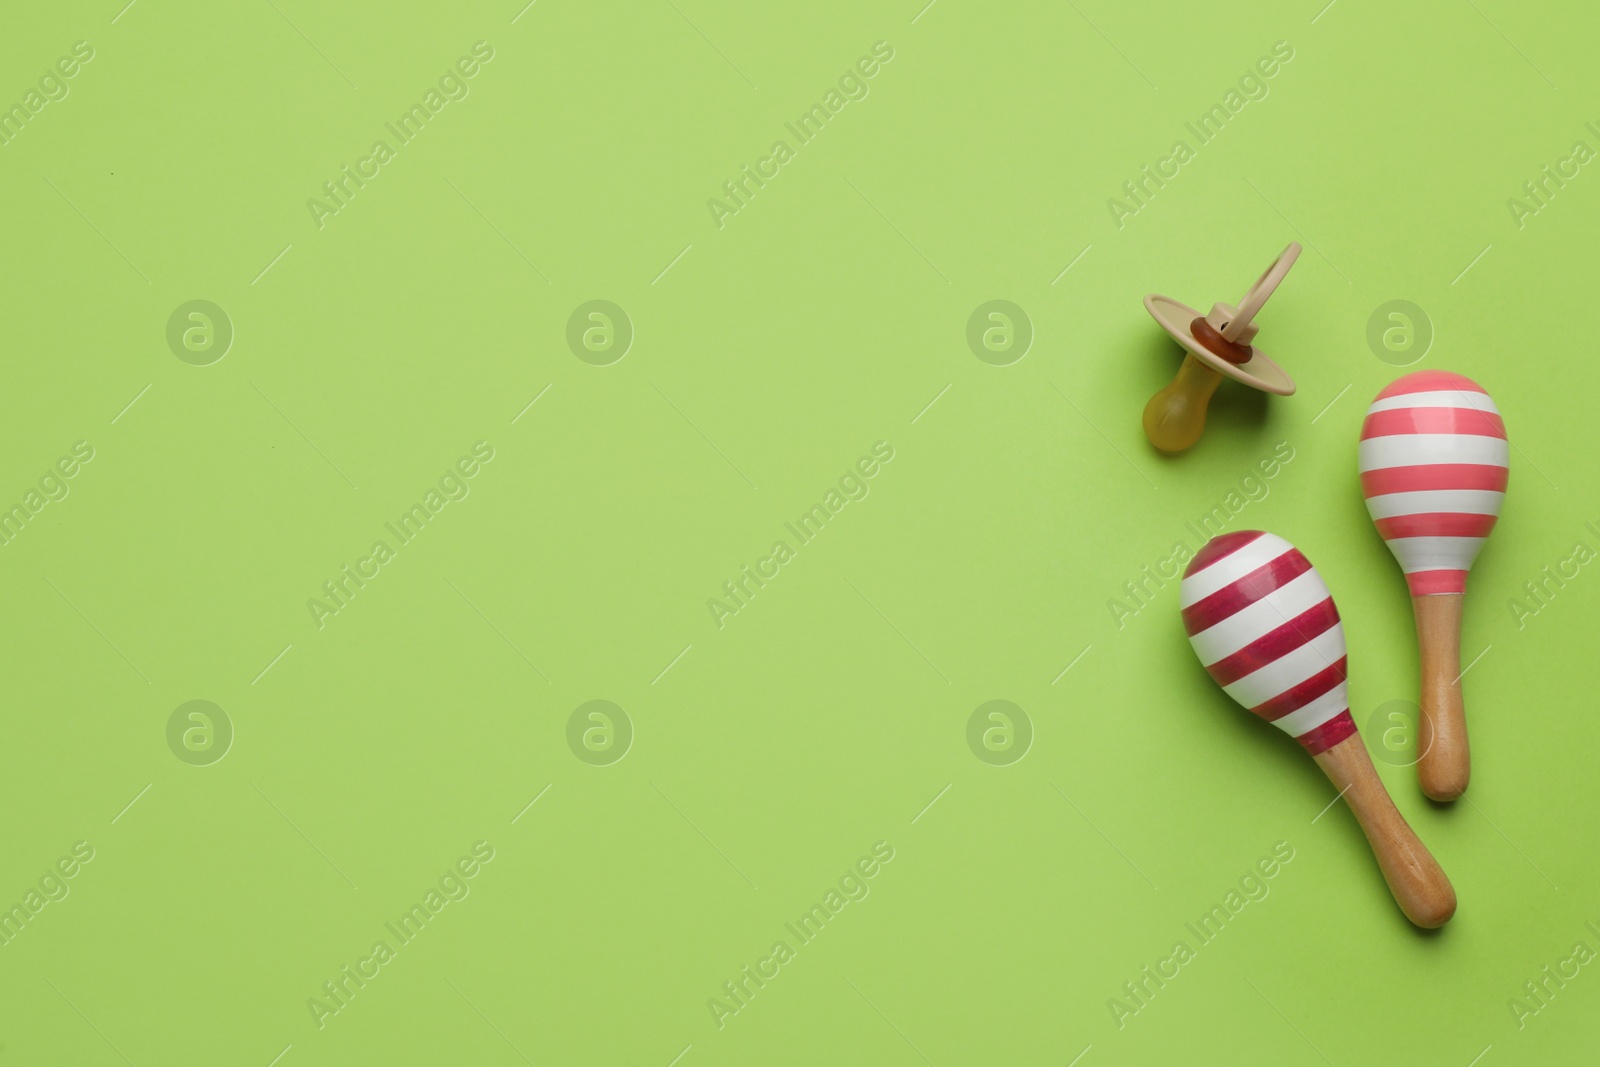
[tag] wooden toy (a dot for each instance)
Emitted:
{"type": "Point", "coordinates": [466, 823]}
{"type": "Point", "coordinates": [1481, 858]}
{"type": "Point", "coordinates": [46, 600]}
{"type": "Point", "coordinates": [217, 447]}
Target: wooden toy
{"type": "Point", "coordinates": [1262, 621]}
{"type": "Point", "coordinates": [1215, 345]}
{"type": "Point", "coordinates": [1434, 460]}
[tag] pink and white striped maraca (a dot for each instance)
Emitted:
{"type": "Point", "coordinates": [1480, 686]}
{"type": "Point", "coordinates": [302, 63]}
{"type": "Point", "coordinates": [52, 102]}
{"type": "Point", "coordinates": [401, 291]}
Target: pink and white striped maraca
{"type": "Point", "coordinates": [1434, 461]}
{"type": "Point", "coordinates": [1262, 621]}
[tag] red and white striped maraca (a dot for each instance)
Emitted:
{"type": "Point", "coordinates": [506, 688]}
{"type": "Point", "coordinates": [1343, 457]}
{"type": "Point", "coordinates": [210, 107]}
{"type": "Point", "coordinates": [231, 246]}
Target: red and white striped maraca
{"type": "Point", "coordinates": [1434, 461]}
{"type": "Point", "coordinates": [1262, 621]}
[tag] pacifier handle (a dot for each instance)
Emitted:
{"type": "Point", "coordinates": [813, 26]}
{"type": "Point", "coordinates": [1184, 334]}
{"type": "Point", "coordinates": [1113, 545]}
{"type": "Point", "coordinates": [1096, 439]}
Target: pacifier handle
{"type": "Point", "coordinates": [1257, 296]}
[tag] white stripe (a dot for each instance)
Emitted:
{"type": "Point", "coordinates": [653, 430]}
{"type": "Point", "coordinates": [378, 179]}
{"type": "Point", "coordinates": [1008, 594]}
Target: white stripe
{"type": "Point", "coordinates": [1317, 712]}
{"type": "Point", "coordinates": [1421, 502]}
{"type": "Point", "coordinates": [1290, 669]}
{"type": "Point", "coordinates": [1444, 398]}
{"type": "Point", "coordinates": [1435, 553]}
{"type": "Point", "coordinates": [1229, 569]}
{"type": "Point", "coordinates": [1414, 449]}
{"type": "Point", "coordinates": [1256, 620]}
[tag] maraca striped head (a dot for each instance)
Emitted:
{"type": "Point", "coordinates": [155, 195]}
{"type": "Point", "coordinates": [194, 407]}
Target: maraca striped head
{"type": "Point", "coordinates": [1434, 461]}
{"type": "Point", "coordinates": [1262, 620]}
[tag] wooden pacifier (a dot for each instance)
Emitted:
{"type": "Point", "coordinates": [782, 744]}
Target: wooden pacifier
{"type": "Point", "coordinates": [1215, 345]}
{"type": "Point", "coordinates": [1434, 460]}
{"type": "Point", "coordinates": [1262, 621]}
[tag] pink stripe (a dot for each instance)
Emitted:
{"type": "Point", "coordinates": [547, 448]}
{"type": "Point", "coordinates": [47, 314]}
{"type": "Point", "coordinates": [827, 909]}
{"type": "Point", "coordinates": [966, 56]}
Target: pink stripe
{"type": "Point", "coordinates": [1278, 643]}
{"type": "Point", "coordinates": [1431, 583]}
{"type": "Point", "coordinates": [1430, 381]}
{"type": "Point", "coordinates": [1330, 733]}
{"type": "Point", "coordinates": [1425, 476]}
{"type": "Point", "coordinates": [1433, 420]}
{"type": "Point", "coordinates": [1219, 548]}
{"type": "Point", "coordinates": [1299, 696]}
{"type": "Point", "coordinates": [1241, 593]}
{"type": "Point", "coordinates": [1435, 524]}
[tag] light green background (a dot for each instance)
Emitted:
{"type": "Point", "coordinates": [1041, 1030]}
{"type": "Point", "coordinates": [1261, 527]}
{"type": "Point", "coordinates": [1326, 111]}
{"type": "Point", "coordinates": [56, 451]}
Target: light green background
{"type": "Point", "coordinates": [769, 355]}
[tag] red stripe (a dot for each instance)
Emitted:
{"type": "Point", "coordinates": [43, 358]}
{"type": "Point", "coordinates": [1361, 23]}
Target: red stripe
{"type": "Point", "coordinates": [1433, 420]}
{"type": "Point", "coordinates": [1329, 733]}
{"type": "Point", "coordinates": [1298, 697]}
{"type": "Point", "coordinates": [1276, 644]}
{"type": "Point", "coordinates": [1208, 611]}
{"type": "Point", "coordinates": [1424, 476]}
{"type": "Point", "coordinates": [1219, 547]}
{"type": "Point", "coordinates": [1435, 524]}
{"type": "Point", "coordinates": [1432, 583]}
{"type": "Point", "coordinates": [1429, 381]}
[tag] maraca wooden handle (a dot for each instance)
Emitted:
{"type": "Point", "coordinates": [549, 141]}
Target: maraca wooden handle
{"type": "Point", "coordinates": [1414, 876]}
{"type": "Point", "coordinates": [1445, 762]}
